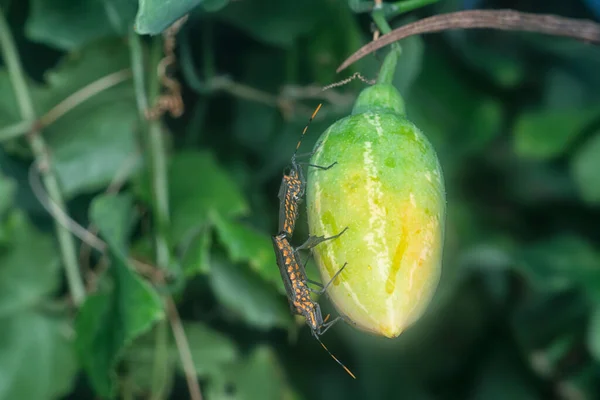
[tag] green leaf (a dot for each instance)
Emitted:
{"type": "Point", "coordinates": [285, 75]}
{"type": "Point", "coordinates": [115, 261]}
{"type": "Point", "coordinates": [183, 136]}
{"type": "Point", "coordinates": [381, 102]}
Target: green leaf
{"type": "Point", "coordinates": [211, 351]}
{"type": "Point", "coordinates": [154, 16]}
{"type": "Point", "coordinates": [585, 167]}
{"type": "Point", "coordinates": [559, 263]}
{"type": "Point", "coordinates": [29, 266]}
{"type": "Point", "coordinates": [88, 162]}
{"type": "Point", "coordinates": [274, 22]}
{"type": "Point", "coordinates": [95, 141]}
{"type": "Point", "coordinates": [543, 323]}
{"type": "Point", "coordinates": [9, 108]}
{"type": "Point", "coordinates": [198, 186]}
{"type": "Point", "coordinates": [548, 134]}
{"type": "Point", "coordinates": [74, 71]}
{"type": "Point", "coordinates": [113, 215]}
{"type": "Point", "coordinates": [261, 377]}
{"type": "Point", "coordinates": [70, 24]}
{"type": "Point", "coordinates": [196, 259]}
{"type": "Point", "coordinates": [109, 321]}
{"type": "Point", "coordinates": [37, 360]}
{"type": "Point", "coordinates": [214, 5]}
{"type": "Point", "coordinates": [82, 67]}
{"type": "Point", "coordinates": [7, 193]}
{"type": "Point", "coordinates": [248, 296]}
{"type": "Point", "coordinates": [140, 358]}
{"type": "Point", "coordinates": [593, 336]}
{"type": "Point", "coordinates": [247, 245]}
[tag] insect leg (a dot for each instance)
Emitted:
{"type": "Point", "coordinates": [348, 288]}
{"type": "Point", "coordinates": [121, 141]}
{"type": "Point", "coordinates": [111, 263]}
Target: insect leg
{"type": "Point", "coordinates": [324, 288]}
{"type": "Point", "coordinates": [315, 240]}
{"type": "Point", "coordinates": [327, 326]}
{"type": "Point", "coordinates": [318, 166]}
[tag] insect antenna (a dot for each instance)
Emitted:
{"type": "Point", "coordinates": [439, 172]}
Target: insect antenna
{"type": "Point", "coordinates": [336, 360]}
{"type": "Point", "coordinates": [304, 131]}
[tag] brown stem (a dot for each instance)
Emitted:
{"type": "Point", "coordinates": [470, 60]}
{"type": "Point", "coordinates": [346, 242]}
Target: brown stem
{"type": "Point", "coordinates": [508, 20]}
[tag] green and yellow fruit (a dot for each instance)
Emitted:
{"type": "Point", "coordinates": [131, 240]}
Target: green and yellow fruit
{"type": "Point", "coordinates": [388, 189]}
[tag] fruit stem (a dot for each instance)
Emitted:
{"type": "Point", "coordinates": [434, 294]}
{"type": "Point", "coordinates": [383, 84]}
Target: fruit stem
{"type": "Point", "coordinates": [386, 74]}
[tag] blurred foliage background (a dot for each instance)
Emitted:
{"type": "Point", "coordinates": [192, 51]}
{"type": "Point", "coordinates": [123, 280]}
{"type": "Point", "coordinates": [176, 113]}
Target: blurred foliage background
{"type": "Point", "coordinates": [186, 205]}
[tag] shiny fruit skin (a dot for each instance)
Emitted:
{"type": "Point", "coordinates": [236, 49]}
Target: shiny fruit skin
{"type": "Point", "coordinates": [388, 188]}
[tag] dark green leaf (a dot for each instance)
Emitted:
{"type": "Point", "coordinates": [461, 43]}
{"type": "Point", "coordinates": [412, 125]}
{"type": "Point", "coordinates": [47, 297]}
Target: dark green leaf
{"type": "Point", "coordinates": [91, 149]}
{"type": "Point", "coordinates": [196, 259]}
{"type": "Point", "coordinates": [559, 263]}
{"type": "Point", "coordinates": [210, 350]}
{"type": "Point", "coordinates": [240, 290]}
{"type": "Point", "coordinates": [96, 141]}
{"type": "Point", "coordinates": [548, 134]}
{"type": "Point", "coordinates": [197, 187]}
{"type": "Point", "coordinates": [82, 67]}
{"type": "Point", "coordinates": [214, 5]}
{"type": "Point", "coordinates": [154, 16]}
{"type": "Point", "coordinates": [261, 377]}
{"type": "Point", "coordinates": [543, 323]}
{"type": "Point", "coordinates": [29, 266]}
{"type": "Point", "coordinates": [273, 22]}
{"type": "Point", "coordinates": [74, 71]}
{"type": "Point", "coordinates": [247, 245]}
{"type": "Point", "coordinates": [113, 215]}
{"type": "Point", "coordinates": [109, 321]}
{"type": "Point", "coordinates": [7, 193]}
{"type": "Point", "coordinates": [69, 24]}
{"type": "Point", "coordinates": [9, 108]}
{"type": "Point", "coordinates": [140, 359]}
{"type": "Point", "coordinates": [593, 336]}
{"type": "Point", "coordinates": [37, 360]}
{"type": "Point", "coordinates": [586, 170]}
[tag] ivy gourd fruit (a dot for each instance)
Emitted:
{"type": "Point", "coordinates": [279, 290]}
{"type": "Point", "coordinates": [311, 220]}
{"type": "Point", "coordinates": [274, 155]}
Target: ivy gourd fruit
{"type": "Point", "coordinates": [388, 189]}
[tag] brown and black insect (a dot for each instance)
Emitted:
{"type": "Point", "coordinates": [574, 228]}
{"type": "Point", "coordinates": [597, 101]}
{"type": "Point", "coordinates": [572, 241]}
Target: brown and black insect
{"type": "Point", "coordinates": [293, 186]}
{"type": "Point", "coordinates": [297, 289]}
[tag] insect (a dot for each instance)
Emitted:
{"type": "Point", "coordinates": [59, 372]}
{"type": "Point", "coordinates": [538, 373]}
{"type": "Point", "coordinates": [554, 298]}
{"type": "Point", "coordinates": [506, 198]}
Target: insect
{"type": "Point", "coordinates": [297, 289]}
{"type": "Point", "coordinates": [293, 185]}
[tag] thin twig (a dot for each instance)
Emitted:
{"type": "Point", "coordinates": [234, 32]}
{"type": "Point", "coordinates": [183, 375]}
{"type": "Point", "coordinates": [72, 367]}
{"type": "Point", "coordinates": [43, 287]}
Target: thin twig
{"type": "Point", "coordinates": [40, 151]}
{"type": "Point", "coordinates": [16, 130]}
{"type": "Point", "coordinates": [59, 215]}
{"type": "Point", "coordinates": [83, 94]}
{"type": "Point", "coordinates": [87, 236]}
{"type": "Point", "coordinates": [509, 20]}
{"type": "Point", "coordinates": [183, 348]}
{"type": "Point", "coordinates": [72, 101]}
